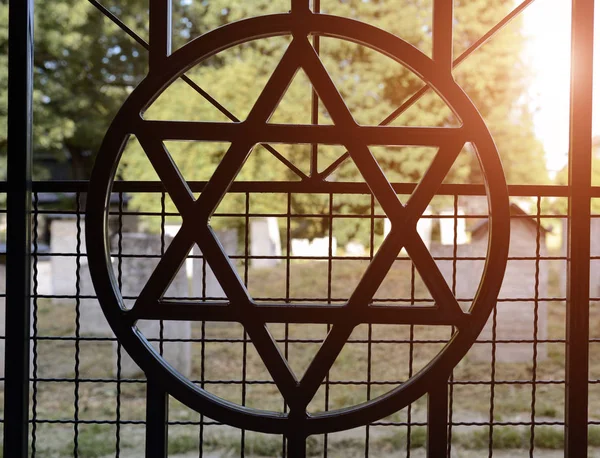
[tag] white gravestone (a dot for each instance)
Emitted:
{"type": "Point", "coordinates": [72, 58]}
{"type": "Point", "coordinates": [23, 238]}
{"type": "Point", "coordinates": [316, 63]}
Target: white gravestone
{"type": "Point", "coordinates": [424, 226]}
{"type": "Point", "coordinates": [204, 282]}
{"type": "Point", "coordinates": [44, 277]}
{"type": "Point", "coordinates": [265, 240]}
{"type": "Point", "coordinates": [300, 247]}
{"type": "Point", "coordinates": [63, 241]}
{"type": "Point", "coordinates": [135, 273]}
{"type": "Point", "coordinates": [447, 223]}
{"type": "Point", "coordinates": [92, 320]}
{"type": "Point", "coordinates": [171, 230]}
{"type": "Point", "coordinates": [318, 247]}
{"type": "Point", "coordinates": [355, 249]}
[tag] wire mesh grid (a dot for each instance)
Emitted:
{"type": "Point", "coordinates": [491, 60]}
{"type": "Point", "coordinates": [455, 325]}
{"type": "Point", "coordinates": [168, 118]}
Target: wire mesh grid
{"type": "Point", "coordinates": [83, 404]}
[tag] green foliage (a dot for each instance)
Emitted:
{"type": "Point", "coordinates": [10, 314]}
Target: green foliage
{"type": "Point", "coordinates": [503, 438]}
{"type": "Point", "coordinates": [398, 441]}
{"type": "Point", "coordinates": [372, 85]}
{"type": "Point", "coordinates": [593, 436]}
{"type": "Point", "coordinates": [549, 437]}
{"type": "Point", "coordinates": [85, 67]}
{"type": "Point", "coordinates": [509, 437]}
{"type": "Point", "coordinates": [94, 441]}
{"type": "Point", "coordinates": [183, 443]}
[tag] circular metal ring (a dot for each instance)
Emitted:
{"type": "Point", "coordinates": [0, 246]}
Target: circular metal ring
{"type": "Point", "coordinates": [130, 115]}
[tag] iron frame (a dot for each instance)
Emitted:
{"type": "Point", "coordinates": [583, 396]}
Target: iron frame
{"type": "Point", "coordinates": [19, 188]}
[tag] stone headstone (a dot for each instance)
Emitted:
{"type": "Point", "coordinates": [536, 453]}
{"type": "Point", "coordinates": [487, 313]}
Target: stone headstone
{"type": "Point", "coordinates": [204, 282]}
{"type": "Point", "coordinates": [92, 321]}
{"type": "Point", "coordinates": [318, 247]}
{"type": "Point", "coordinates": [387, 227]}
{"type": "Point", "coordinates": [44, 277]}
{"type": "Point", "coordinates": [355, 249]}
{"type": "Point", "coordinates": [63, 241]}
{"type": "Point", "coordinates": [265, 240]}
{"type": "Point", "coordinates": [135, 273]}
{"type": "Point", "coordinates": [447, 223]}
{"type": "Point", "coordinates": [300, 247]}
{"type": "Point", "coordinates": [424, 226]}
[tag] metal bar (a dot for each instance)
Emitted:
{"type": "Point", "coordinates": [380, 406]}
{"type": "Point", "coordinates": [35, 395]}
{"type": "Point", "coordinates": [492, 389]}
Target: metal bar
{"type": "Point", "coordinates": [489, 34]}
{"type": "Point", "coordinates": [443, 16]}
{"type": "Point", "coordinates": [106, 12]}
{"type": "Point", "coordinates": [296, 446]}
{"type": "Point", "coordinates": [300, 6]}
{"type": "Point", "coordinates": [578, 270]}
{"type": "Point", "coordinates": [285, 313]}
{"type": "Point", "coordinates": [160, 32]}
{"type": "Point", "coordinates": [314, 115]}
{"type": "Point", "coordinates": [302, 134]}
{"type": "Point", "coordinates": [18, 273]}
{"type": "Point", "coordinates": [157, 411]}
{"type": "Point", "coordinates": [437, 420]}
{"type": "Point", "coordinates": [324, 187]}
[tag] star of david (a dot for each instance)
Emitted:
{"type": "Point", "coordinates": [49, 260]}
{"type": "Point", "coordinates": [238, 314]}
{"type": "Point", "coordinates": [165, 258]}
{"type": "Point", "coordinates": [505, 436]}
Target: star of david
{"type": "Point", "coordinates": [240, 306]}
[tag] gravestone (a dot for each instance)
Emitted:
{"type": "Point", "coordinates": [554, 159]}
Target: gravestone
{"type": "Point", "coordinates": [447, 223]}
{"type": "Point", "coordinates": [63, 241]}
{"type": "Point", "coordinates": [44, 277]}
{"type": "Point", "coordinates": [424, 228]}
{"type": "Point", "coordinates": [300, 247]}
{"type": "Point", "coordinates": [515, 318]}
{"type": "Point", "coordinates": [92, 321]}
{"type": "Point", "coordinates": [265, 240]}
{"type": "Point", "coordinates": [135, 273]}
{"type": "Point", "coordinates": [204, 282]}
{"type": "Point", "coordinates": [318, 247]}
{"type": "Point", "coordinates": [355, 249]}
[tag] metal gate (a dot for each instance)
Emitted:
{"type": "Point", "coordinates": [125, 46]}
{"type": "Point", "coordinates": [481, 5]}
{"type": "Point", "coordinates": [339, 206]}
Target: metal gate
{"type": "Point", "coordinates": [100, 204]}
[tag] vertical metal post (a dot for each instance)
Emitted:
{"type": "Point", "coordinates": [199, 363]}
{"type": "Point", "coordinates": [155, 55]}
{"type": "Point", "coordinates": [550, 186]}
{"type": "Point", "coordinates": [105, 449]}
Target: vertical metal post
{"type": "Point", "coordinates": [296, 446]}
{"type": "Point", "coordinates": [157, 414]}
{"type": "Point", "coordinates": [437, 420]}
{"type": "Point", "coordinates": [443, 15]}
{"type": "Point", "coordinates": [300, 6]}
{"type": "Point", "coordinates": [161, 21]}
{"type": "Point", "coordinates": [580, 172]}
{"type": "Point", "coordinates": [18, 272]}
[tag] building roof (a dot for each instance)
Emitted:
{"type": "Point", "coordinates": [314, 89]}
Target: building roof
{"type": "Point", "coordinates": [515, 210]}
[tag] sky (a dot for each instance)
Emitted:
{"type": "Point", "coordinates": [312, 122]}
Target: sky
{"type": "Point", "coordinates": [547, 24]}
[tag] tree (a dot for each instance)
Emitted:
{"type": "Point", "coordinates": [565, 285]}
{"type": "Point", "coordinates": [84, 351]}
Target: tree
{"type": "Point", "coordinates": [85, 67]}
{"type": "Point", "coordinates": [495, 77]}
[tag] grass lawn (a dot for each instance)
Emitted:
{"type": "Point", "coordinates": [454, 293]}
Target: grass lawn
{"type": "Point", "coordinates": [390, 363]}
